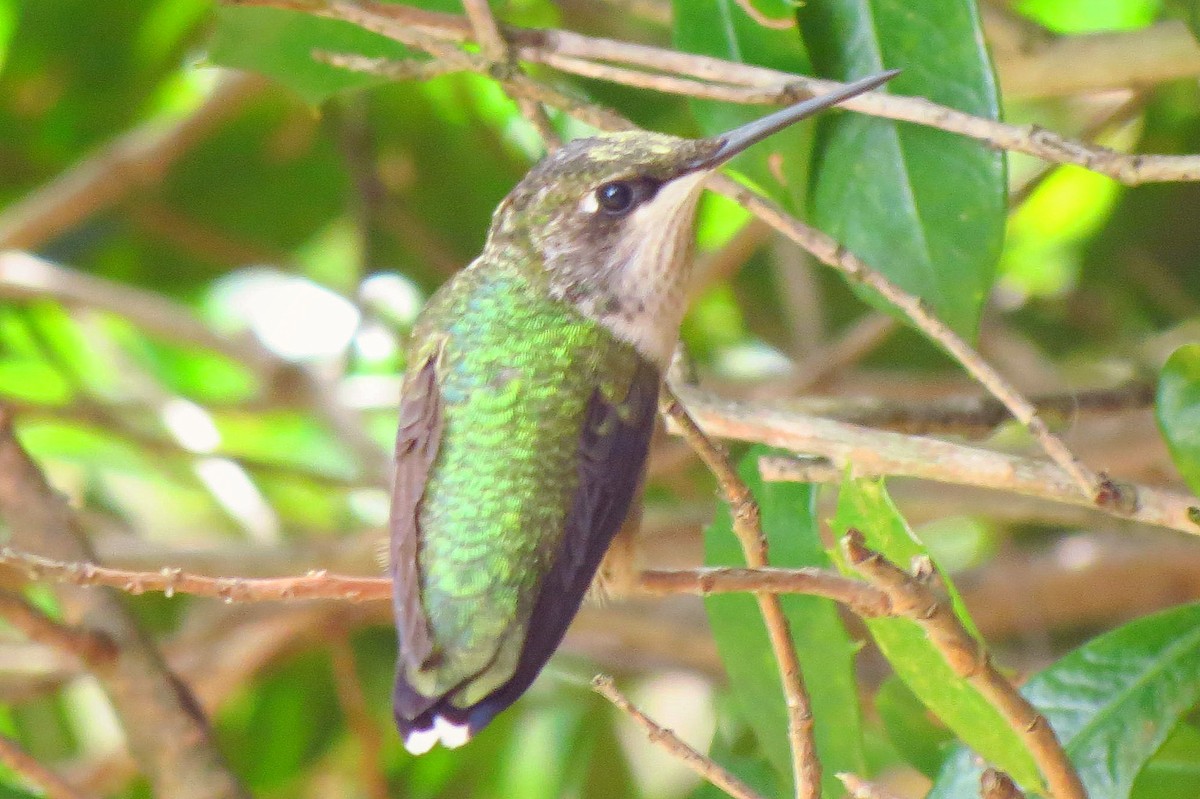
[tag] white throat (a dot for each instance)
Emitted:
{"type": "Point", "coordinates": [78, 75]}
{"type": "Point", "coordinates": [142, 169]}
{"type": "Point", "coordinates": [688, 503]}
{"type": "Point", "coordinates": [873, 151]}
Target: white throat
{"type": "Point", "coordinates": [654, 269]}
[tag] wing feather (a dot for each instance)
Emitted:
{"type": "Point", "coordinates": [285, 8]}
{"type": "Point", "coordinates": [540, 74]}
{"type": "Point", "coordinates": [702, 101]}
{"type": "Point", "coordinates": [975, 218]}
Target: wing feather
{"type": "Point", "coordinates": [417, 441]}
{"type": "Point", "coordinates": [612, 455]}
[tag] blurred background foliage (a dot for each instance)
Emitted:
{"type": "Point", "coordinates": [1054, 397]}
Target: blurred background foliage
{"type": "Point", "coordinates": [307, 218]}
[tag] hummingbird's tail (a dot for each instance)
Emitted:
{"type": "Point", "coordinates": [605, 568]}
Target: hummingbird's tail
{"type": "Point", "coordinates": [424, 721]}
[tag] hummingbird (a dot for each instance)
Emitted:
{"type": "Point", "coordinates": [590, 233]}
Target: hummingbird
{"type": "Point", "coordinates": [527, 408]}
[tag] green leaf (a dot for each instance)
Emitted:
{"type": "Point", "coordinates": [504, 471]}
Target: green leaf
{"type": "Point", "coordinates": [1174, 771]}
{"type": "Point", "coordinates": [865, 505]}
{"type": "Point", "coordinates": [721, 28]}
{"type": "Point", "coordinates": [280, 44]}
{"type": "Point", "coordinates": [299, 699]}
{"type": "Point", "coordinates": [1089, 16]}
{"type": "Point", "coordinates": [920, 741]}
{"type": "Point", "coordinates": [825, 651]}
{"type": "Point", "coordinates": [33, 381]}
{"type": "Point", "coordinates": [924, 207]}
{"type": "Point", "coordinates": [1178, 410]}
{"type": "Point", "coordinates": [1112, 702]}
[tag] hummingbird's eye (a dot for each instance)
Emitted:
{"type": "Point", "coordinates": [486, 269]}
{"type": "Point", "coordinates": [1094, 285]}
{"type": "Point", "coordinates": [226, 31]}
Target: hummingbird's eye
{"type": "Point", "coordinates": [616, 197]}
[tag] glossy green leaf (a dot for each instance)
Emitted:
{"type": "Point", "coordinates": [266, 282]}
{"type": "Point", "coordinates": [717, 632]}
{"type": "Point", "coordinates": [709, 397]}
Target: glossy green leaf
{"type": "Point", "coordinates": [299, 697]}
{"type": "Point", "coordinates": [825, 651]}
{"type": "Point", "coordinates": [924, 207]}
{"type": "Point", "coordinates": [1112, 702]}
{"type": "Point", "coordinates": [1178, 410]}
{"type": "Point", "coordinates": [723, 29]}
{"type": "Point", "coordinates": [1174, 771]}
{"type": "Point", "coordinates": [919, 739]}
{"type": "Point", "coordinates": [865, 505]}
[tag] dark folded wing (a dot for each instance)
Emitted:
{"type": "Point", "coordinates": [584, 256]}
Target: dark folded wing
{"type": "Point", "coordinates": [416, 447]}
{"type": "Point", "coordinates": [612, 455]}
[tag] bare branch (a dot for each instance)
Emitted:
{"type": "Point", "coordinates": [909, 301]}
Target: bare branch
{"type": "Point", "coordinates": [870, 452]}
{"type": "Point", "coordinates": [91, 647]}
{"type": "Point", "coordinates": [854, 594]}
{"type": "Point", "coordinates": [534, 45]}
{"type": "Point", "coordinates": [314, 585]}
{"type": "Point", "coordinates": [859, 788]}
{"type": "Point", "coordinates": [747, 526]}
{"type": "Point", "coordinates": [967, 657]}
{"type": "Point", "coordinates": [669, 741]}
{"type": "Point", "coordinates": [491, 41]}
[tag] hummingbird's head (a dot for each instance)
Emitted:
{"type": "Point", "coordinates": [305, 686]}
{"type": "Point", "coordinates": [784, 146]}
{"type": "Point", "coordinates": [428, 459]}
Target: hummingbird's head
{"type": "Point", "coordinates": [609, 220]}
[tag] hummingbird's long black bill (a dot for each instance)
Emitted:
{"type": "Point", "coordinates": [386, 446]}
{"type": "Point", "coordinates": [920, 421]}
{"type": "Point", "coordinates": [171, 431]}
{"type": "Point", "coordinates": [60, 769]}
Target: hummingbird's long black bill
{"type": "Point", "coordinates": [738, 139]}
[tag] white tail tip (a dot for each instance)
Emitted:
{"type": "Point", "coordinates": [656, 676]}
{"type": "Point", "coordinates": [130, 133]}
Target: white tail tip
{"type": "Point", "coordinates": [449, 734]}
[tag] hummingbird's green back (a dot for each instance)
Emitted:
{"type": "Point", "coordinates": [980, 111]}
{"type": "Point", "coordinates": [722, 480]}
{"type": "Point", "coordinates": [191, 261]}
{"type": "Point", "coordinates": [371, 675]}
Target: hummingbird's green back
{"type": "Point", "coordinates": [515, 373]}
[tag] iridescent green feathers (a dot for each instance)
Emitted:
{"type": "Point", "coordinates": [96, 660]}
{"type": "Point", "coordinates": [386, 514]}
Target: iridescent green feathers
{"type": "Point", "coordinates": [492, 454]}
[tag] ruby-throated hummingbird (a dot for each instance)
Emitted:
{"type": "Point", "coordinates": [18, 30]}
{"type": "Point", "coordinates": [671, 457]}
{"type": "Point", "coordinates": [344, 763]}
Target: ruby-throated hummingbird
{"type": "Point", "coordinates": [527, 408]}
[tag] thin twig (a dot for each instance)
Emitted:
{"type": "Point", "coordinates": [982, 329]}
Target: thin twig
{"type": "Point", "coordinates": [859, 597]}
{"type": "Point", "coordinates": [319, 584]}
{"type": "Point", "coordinates": [870, 452]}
{"type": "Point", "coordinates": [967, 657]}
{"type": "Point", "coordinates": [533, 45]}
{"type": "Point", "coordinates": [830, 252]}
{"type": "Point", "coordinates": [671, 742]}
{"type": "Point", "coordinates": [747, 526]}
{"type": "Point", "coordinates": [89, 646]}
{"type": "Point", "coordinates": [314, 585]}
{"type": "Point", "coordinates": [858, 788]}
{"type": "Point", "coordinates": [20, 761]}
{"type": "Point", "coordinates": [358, 718]}
{"type": "Point", "coordinates": [491, 41]}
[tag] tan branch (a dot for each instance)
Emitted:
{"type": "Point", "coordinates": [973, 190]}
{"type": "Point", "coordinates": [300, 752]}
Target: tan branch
{"type": "Point", "coordinates": [671, 742]}
{"type": "Point", "coordinates": [858, 788]}
{"type": "Point", "coordinates": [747, 526]}
{"type": "Point", "coordinates": [491, 41]}
{"type": "Point", "coordinates": [967, 657]}
{"type": "Point", "coordinates": [314, 585]}
{"type": "Point", "coordinates": [854, 594]}
{"type": "Point", "coordinates": [358, 718]}
{"type": "Point", "coordinates": [89, 646]}
{"type": "Point", "coordinates": [319, 584]}
{"type": "Point", "coordinates": [534, 45]}
{"type": "Point", "coordinates": [833, 254]}
{"type": "Point", "coordinates": [869, 452]}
